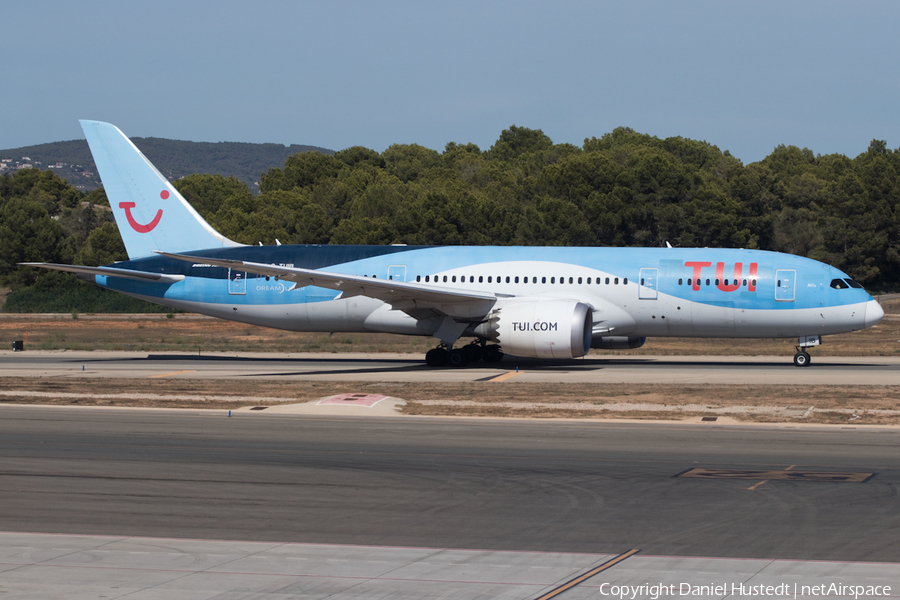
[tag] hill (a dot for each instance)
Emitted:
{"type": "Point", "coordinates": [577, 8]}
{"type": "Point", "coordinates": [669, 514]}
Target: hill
{"type": "Point", "coordinates": [72, 160]}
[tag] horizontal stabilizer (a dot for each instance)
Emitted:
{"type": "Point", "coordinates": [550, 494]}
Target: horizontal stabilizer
{"type": "Point", "coordinates": [110, 272]}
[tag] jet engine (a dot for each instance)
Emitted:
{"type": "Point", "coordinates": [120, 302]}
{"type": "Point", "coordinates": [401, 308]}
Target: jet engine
{"type": "Point", "coordinates": [540, 329]}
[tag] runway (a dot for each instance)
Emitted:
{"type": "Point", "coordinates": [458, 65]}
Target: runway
{"type": "Point", "coordinates": [736, 370]}
{"type": "Point", "coordinates": [452, 483]}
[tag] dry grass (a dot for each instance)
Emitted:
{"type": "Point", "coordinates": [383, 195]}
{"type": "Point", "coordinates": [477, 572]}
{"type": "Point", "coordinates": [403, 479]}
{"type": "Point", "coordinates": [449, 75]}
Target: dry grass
{"type": "Point", "coordinates": [493, 399]}
{"type": "Point", "coordinates": [190, 333]}
{"type": "Point", "coordinates": [154, 333]}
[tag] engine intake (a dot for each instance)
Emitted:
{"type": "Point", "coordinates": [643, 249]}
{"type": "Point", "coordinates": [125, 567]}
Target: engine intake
{"type": "Point", "coordinates": [541, 329]}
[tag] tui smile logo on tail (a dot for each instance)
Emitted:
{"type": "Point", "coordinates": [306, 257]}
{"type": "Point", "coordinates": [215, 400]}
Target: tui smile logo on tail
{"type": "Point", "coordinates": [137, 226]}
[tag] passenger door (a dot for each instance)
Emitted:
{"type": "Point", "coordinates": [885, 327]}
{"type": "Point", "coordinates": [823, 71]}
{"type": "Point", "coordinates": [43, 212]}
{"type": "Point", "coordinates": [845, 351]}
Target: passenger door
{"type": "Point", "coordinates": [648, 287]}
{"type": "Point", "coordinates": [237, 282]}
{"type": "Point", "coordinates": [785, 280]}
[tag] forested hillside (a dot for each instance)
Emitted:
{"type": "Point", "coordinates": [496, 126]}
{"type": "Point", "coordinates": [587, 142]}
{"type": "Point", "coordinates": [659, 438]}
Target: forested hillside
{"type": "Point", "coordinates": [623, 189]}
{"type": "Point", "coordinates": [73, 162]}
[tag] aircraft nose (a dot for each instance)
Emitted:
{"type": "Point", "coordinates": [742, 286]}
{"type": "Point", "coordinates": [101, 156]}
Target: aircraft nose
{"type": "Point", "coordinates": [874, 313]}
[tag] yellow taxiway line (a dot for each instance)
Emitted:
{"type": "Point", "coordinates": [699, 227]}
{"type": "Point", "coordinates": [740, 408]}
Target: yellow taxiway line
{"type": "Point", "coordinates": [172, 373]}
{"type": "Point", "coordinates": [504, 377]}
{"type": "Point", "coordinates": [589, 574]}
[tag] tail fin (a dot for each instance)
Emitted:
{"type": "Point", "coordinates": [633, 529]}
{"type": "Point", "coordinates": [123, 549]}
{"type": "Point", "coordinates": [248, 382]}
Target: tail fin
{"type": "Point", "coordinates": [149, 211]}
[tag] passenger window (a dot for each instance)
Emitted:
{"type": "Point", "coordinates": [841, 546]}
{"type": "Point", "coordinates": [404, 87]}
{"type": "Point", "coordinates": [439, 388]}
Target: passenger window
{"type": "Point", "coordinates": [589, 281]}
{"type": "Point", "coordinates": [680, 281]}
{"type": "Point", "coordinates": [570, 280]}
{"type": "Point", "coordinates": [534, 280]}
{"type": "Point", "coordinates": [753, 282]}
{"type": "Point", "coordinates": [445, 279]}
{"type": "Point", "coordinates": [607, 281]}
{"type": "Point", "coordinates": [471, 279]}
{"type": "Point", "coordinates": [553, 280]}
{"type": "Point", "coordinates": [707, 282]}
{"type": "Point", "coordinates": [507, 279]}
{"type": "Point", "coordinates": [489, 278]}
{"type": "Point", "coordinates": [517, 279]}
{"type": "Point", "coordinates": [481, 279]}
{"type": "Point", "coordinates": [717, 281]}
{"type": "Point", "coordinates": [418, 278]}
{"type": "Point", "coordinates": [839, 284]}
{"type": "Point", "coordinates": [625, 281]}
{"type": "Point", "coordinates": [616, 281]}
{"type": "Point", "coordinates": [579, 280]}
{"type": "Point", "coordinates": [543, 280]}
{"type": "Point", "coordinates": [745, 283]}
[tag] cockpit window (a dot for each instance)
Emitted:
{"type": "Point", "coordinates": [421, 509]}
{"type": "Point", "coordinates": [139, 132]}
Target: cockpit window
{"type": "Point", "coordinates": [853, 284]}
{"type": "Point", "coordinates": [839, 284]}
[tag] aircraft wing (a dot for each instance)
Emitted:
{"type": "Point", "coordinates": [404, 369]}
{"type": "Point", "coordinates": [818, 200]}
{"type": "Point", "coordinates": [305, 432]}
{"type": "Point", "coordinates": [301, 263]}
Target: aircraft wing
{"type": "Point", "coordinates": [409, 297]}
{"type": "Point", "coordinates": [110, 272]}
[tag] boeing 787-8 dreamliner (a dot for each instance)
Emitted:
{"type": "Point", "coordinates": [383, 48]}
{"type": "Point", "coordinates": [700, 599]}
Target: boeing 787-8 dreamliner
{"type": "Point", "coordinates": [544, 302]}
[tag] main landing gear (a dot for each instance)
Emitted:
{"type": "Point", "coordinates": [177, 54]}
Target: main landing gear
{"type": "Point", "coordinates": [459, 357]}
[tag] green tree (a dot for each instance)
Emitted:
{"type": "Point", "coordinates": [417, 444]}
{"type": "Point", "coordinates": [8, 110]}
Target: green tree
{"type": "Point", "coordinates": [27, 234]}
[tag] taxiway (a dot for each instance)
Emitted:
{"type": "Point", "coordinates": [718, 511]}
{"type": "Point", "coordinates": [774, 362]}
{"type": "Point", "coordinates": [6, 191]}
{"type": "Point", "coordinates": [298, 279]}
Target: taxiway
{"type": "Point", "coordinates": [736, 370]}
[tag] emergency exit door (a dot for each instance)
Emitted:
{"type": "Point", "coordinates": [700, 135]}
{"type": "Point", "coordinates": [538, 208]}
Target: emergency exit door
{"type": "Point", "coordinates": [397, 272]}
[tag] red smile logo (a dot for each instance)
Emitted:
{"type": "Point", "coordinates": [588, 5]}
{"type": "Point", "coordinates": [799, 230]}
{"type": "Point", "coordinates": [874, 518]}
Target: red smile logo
{"type": "Point", "coordinates": [137, 226]}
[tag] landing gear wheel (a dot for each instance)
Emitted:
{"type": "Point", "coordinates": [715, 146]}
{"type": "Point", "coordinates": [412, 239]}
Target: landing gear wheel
{"type": "Point", "coordinates": [436, 357]}
{"type": "Point", "coordinates": [458, 358]}
{"type": "Point", "coordinates": [801, 359]}
{"type": "Point", "coordinates": [476, 352]}
{"type": "Point", "coordinates": [492, 354]}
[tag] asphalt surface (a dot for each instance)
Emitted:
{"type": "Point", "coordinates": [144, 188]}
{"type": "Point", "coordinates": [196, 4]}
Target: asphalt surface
{"type": "Point", "coordinates": [453, 483]}
{"type": "Point", "coordinates": [734, 370]}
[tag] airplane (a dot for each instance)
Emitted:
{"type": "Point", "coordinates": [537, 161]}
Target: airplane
{"type": "Point", "coordinates": [542, 302]}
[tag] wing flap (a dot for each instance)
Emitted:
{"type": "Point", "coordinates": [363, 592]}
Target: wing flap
{"type": "Point", "coordinates": [389, 291]}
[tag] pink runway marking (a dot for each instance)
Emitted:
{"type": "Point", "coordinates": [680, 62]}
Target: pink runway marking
{"type": "Point", "coordinates": [369, 400]}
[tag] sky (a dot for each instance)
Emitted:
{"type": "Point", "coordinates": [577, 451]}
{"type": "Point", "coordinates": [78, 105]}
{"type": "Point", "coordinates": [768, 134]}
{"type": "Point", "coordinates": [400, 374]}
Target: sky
{"type": "Point", "coordinates": [744, 76]}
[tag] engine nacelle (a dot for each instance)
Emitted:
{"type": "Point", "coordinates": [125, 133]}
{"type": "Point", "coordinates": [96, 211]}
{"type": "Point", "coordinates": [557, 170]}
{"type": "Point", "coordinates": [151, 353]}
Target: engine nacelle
{"type": "Point", "coordinates": [617, 342]}
{"type": "Point", "coordinates": [541, 329]}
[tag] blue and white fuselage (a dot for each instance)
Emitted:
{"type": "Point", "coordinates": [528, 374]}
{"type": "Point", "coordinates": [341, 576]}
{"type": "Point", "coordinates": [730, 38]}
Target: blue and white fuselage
{"type": "Point", "coordinates": [525, 301]}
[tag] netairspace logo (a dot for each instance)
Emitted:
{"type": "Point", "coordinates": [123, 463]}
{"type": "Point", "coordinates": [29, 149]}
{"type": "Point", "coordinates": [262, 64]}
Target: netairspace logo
{"type": "Point", "coordinates": [784, 590]}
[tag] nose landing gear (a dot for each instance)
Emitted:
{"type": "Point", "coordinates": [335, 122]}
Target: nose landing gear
{"type": "Point", "coordinates": [802, 359]}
